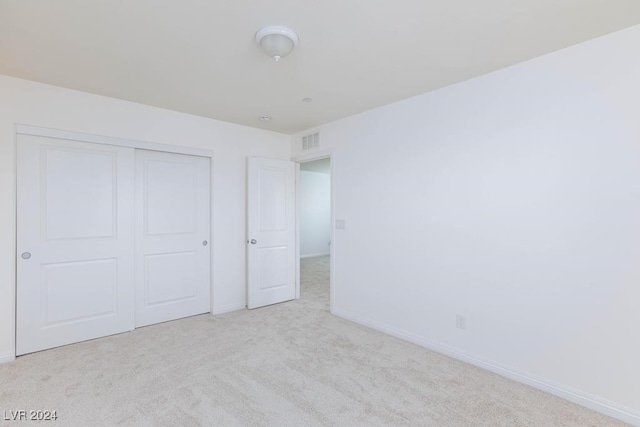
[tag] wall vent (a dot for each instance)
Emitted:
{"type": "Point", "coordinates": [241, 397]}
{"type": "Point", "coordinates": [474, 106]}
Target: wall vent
{"type": "Point", "coordinates": [311, 142]}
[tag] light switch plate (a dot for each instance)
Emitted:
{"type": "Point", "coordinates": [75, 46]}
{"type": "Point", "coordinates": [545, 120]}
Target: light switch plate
{"type": "Point", "coordinates": [340, 224]}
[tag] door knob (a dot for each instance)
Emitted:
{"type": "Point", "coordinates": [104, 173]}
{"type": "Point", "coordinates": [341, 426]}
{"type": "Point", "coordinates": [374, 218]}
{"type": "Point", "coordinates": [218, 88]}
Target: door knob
{"type": "Point", "coordinates": [26, 255]}
{"type": "Point", "coordinates": [205, 243]}
{"type": "Point", "coordinates": [253, 241]}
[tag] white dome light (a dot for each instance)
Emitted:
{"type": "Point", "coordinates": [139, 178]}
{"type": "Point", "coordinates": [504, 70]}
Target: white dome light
{"type": "Point", "coordinates": [277, 41]}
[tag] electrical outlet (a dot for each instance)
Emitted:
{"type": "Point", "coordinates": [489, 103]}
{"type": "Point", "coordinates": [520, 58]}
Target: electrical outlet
{"type": "Point", "coordinates": [461, 322]}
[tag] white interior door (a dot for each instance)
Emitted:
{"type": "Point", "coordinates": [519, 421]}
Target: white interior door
{"type": "Point", "coordinates": [74, 241]}
{"type": "Point", "coordinates": [172, 236]}
{"type": "Point", "coordinates": [271, 231]}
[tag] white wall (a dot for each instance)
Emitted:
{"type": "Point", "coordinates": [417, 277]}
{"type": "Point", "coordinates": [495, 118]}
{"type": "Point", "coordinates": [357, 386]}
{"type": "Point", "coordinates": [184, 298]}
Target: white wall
{"type": "Point", "coordinates": [514, 200]}
{"type": "Point", "coordinates": [315, 213]}
{"type": "Point", "coordinates": [47, 106]}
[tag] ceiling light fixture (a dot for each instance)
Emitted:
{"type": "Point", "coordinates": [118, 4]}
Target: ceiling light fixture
{"type": "Point", "coordinates": [277, 41]}
{"type": "Point", "coordinates": [265, 118]}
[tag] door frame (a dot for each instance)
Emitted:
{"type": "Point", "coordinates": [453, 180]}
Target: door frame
{"type": "Point", "coordinates": [22, 129]}
{"type": "Point", "coordinates": [305, 158]}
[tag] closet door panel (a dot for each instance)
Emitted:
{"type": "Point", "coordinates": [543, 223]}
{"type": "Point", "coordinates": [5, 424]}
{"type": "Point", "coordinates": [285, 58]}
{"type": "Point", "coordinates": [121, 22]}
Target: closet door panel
{"type": "Point", "coordinates": [172, 236]}
{"type": "Point", "coordinates": [74, 239]}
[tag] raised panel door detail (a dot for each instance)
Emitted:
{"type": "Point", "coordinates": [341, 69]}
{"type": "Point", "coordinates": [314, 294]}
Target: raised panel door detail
{"type": "Point", "coordinates": [273, 267]}
{"type": "Point", "coordinates": [75, 206]}
{"type": "Point", "coordinates": [172, 222]}
{"type": "Point", "coordinates": [78, 291]}
{"type": "Point", "coordinates": [170, 197]}
{"type": "Point", "coordinates": [170, 277]}
{"type": "Point", "coordinates": [270, 231]}
{"type": "Point", "coordinates": [273, 199]}
{"type": "Point", "coordinates": [79, 192]}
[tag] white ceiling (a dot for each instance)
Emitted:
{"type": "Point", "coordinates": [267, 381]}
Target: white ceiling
{"type": "Point", "coordinates": [200, 56]}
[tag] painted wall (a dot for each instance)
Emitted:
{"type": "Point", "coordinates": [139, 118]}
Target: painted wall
{"type": "Point", "coordinates": [48, 106]}
{"type": "Point", "coordinates": [315, 213]}
{"type": "Point", "coordinates": [512, 199]}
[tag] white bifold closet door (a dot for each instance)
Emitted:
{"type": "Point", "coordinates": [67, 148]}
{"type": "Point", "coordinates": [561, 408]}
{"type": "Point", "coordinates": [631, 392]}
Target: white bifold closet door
{"type": "Point", "coordinates": [108, 238]}
{"type": "Point", "coordinates": [172, 236]}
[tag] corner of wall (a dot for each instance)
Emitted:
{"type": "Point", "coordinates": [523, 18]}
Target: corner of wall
{"type": "Point", "coordinates": [292, 146]}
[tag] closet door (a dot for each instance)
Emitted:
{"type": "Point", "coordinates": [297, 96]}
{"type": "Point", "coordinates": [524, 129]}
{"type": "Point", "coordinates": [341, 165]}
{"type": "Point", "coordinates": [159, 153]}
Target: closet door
{"type": "Point", "coordinates": [172, 236]}
{"type": "Point", "coordinates": [74, 239]}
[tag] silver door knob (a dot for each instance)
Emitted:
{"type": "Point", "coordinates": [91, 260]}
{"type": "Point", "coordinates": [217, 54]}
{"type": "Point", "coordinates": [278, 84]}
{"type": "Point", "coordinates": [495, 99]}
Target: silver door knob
{"type": "Point", "coordinates": [253, 241]}
{"type": "Point", "coordinates": [26, 255]}
{"type": "Point", "coordinates": [205, 243]}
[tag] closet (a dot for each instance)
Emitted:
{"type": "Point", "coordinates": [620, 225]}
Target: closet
{"type": "Point", "coordinates": [109, 238]}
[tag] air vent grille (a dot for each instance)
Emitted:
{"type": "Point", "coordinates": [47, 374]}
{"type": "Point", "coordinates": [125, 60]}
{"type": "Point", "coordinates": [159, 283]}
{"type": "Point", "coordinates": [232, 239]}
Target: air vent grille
{"type": "Point", "coordinates": [311, 142]}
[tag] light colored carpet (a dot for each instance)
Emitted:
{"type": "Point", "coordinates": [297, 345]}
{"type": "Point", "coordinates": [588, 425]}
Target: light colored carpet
{"type": "Point", "coordinates": [290, 364]}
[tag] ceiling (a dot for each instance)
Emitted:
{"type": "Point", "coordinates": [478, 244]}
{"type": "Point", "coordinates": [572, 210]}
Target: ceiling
{"type": "Point", "coordinates": [200, 56]}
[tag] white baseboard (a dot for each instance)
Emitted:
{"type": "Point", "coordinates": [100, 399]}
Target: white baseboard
{"type": "Point", "coordinates": [7, 357]}
{"type": "Point", "coordinates": [590, 401]}
{"type": "Point", "coordinates": [313, 255]}
{"type": "Point", "coordinates": [228, 309]}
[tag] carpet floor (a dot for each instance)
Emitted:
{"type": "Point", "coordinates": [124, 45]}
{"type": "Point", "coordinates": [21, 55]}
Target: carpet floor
{"type": "Point", "coordinates": [290, 364]}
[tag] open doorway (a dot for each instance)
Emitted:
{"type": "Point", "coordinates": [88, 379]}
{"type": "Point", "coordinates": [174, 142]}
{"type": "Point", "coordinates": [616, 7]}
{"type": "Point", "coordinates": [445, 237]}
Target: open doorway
{"type": "Point", "coordinates": [314, 202]}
